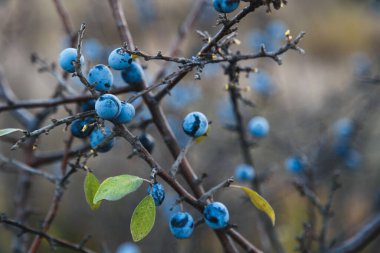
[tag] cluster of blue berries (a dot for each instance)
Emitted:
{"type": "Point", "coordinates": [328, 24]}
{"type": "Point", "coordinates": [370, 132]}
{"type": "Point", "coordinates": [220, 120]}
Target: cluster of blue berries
{"type": "Point", "coordinates": [107, 106]}
{"type": "Point", "coordinates": [215, 215]}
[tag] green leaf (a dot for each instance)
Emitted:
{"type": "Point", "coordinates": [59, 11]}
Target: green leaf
{"type": "Point", "coordinates": [143, 218]}
{"type": "Point", "coordinates": [114, 188]}
{"type": "Point", "coordinates": [7, 131]}
{"type": "Point", "coordinates": [260, 203]}
{"type": "Point", "coordinates": [91, 185]}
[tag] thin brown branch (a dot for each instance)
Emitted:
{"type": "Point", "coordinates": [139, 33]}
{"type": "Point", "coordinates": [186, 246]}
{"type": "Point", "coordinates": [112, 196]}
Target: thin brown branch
{"type": "Point", "coordinates": [54, 124]}
{"type": "Point", "coordinates": [65, 20]}
{"type": "Point", "coordinates": [147, 157]}
{"type": "Point", "coordinates": [326, 214]}
{"type": "Point", "coordinates": [121, 23]}
{"type": "Point", "coordinates": [174, 169]}
{"type": "Point", "coordinates": [7, 94]}
{"type": "Point", "coordinates": [77, 63]}
{"type": "Point", "coordinates": [210, 193]}
{"type": "Point", "coordinates": [44, 158]}
{"type": "Point", "coordinates": [7, 162]}
{"type": "Point", "coordinates": [53, 241]}
{"type": "Point", "coordinates": [309, 194]}
{"type": "Point", "coordinates": [52, 102]}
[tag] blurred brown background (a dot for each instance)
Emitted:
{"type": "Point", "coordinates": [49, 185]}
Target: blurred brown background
{"type": "Point", "coordinates": [312, 92]}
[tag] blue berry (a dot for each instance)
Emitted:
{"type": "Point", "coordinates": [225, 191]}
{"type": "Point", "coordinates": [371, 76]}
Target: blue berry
{"type": "Point", "coordinates": [258, 127]}
{"type": "Point", "coordinates": [195, 124]}
{"type": "Point", "coordinates": [87, 105]}
{"type": "Point", "coordinates": [119, 59]}
{"type": "Point", "coordinates": [108, 107]}
{"type": "Point", "coordinates": [262, 83]}
{"type": "Point", "coordinates": [100, 76]}
{"type": "Point", "coordinates": [276, 29]}
{"type": "Point", "coordinates": [352, 159]}
{"type": "Point", "coordinates": [147, 141]}
{"type": "Point", "coordinates": [98, 136]}
{"type": "Point", "coordinates": [128, 247]}
{"type": "Point", "coordinates": [77, 127]}
{"type": "Point", "coordinates": [181, 225]}
{"type": "Point", "coordinates": [216, 215]}
{"type": "Point", "coordinates": [133, 74]}
{"type": "Point", "coordinates": [341, 146]}
{"type": "Point", "coordinates": [244, 173]}
{"type": "Point", "coordinates": [225, 6]}
{"type": "Point", "coordinates": [66, 59]}
{"type": "Point", "coordinates": [126, 114]}
{"type": "Point", "coordinates": [343, 128]}
{"type": "Point", "coordinates": [158, 193]}
{"type": "Point", "coordinates": [294, 164]}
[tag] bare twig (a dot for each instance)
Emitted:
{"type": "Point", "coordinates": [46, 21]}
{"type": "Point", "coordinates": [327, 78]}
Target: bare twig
{"type": "Point", "coordinates": [47, 128]}
{"type": "Point", "coordinates": [367, 233]}
{"type": "Point", "coordinates": [174, 169]}
{"type": "Point", "coordinates": [51, 69]}
{"type": "Point", "coordinates": [326, 214]}
{"type": "Point", "coordinates": [52, 102]}
{"type": "Point", "coordinates": [6, 93]}
{"type": "Point", "coordinates": [122, 25]}
{"type": "Point", "coordinates": [309, 194]}
{"type": "Point", "coordinates": [65, 19]}
{"type": "Point", "coordinates": [77, 63]}
{"type": "Point", "coordinates": [53, 241]}
{"type": "Point", "coordinates": [7, 162]}
{"type": "Point", "coordinates": [215, 189]}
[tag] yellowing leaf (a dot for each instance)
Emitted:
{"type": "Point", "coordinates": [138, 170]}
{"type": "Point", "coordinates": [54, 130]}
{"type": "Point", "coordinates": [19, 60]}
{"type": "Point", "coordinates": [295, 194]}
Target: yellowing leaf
{"type": "Point", "coordinates": [202, 137]}
{"type": "Point", "coordinates": [7, 131]}
{"type": "Point", "coordinates": [143, 218]}
{"type": "Point", "coordinates": [114, 188]}
{"type": "Point", "coordinates": [260, 203]}
{"type": "Point", "coordinates": [91, 185]}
